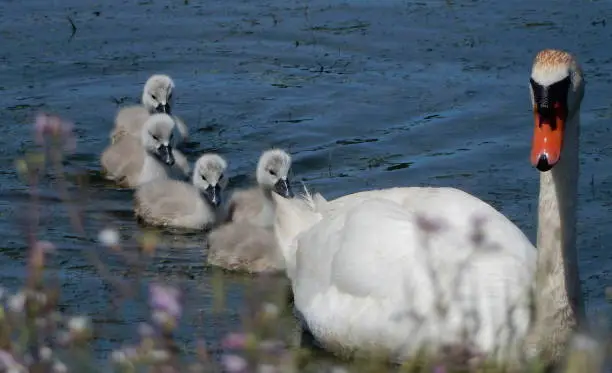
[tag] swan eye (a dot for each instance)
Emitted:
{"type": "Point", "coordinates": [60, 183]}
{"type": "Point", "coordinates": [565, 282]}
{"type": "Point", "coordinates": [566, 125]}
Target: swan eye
{"type": "Point", "coordinates": [153, 97]}
{"type": "Point", "coordinates": [221, 177]}
{"type": "Point", "coordinates": [272, 172]}
{"type": "Point", "coordinates": [203, 177]}
{"type": "Point", "coordinates": [154, 137]}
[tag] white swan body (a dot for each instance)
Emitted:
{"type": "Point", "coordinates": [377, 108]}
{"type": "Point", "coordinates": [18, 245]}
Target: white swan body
{"type": "Point", "coordinates": [157, 97]}
{"type": "Point", "coordinates": [172, 203]}
{"type": "Point", "coordinates": [394, 271]}
{"type": "Point", "coordinates": [361, 275]}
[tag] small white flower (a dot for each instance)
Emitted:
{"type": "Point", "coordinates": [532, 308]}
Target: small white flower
{"type": "Point", "coordinates": [270, 310]}
{"type": "Point", "coordinates": [159, 356]}
{"type": "Point", "coordinates": [584, 342]}
{"type": "Point", "coordinates": [45, 353]}
{"type": "Point", "coordinates": [41, 297]}
{"type": "Point", "coordinates": [233, 363]}
{"type": "Point", "coordinates": [59, 367]}
{"type": "Point", "coordinates": [78, 324]}
{"type": "Point", "coordinates": [119, 357]}
{"type": "Point", "coordinates": [17, 302]}
{"type": "Point", "coordinates": [109, 237]}
{"type": "Point", "coordinates": [160, 317]}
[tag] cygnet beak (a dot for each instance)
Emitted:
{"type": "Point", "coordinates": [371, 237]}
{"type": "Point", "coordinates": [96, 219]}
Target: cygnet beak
{"type": "Point", "coordinates": [163, 108]}
{"type": "Point", "coordinates": [283, 188]}
{"type": "Point", "coordinates": [165, 154]}
{"type": "Point", "coordinates": [213, 193]}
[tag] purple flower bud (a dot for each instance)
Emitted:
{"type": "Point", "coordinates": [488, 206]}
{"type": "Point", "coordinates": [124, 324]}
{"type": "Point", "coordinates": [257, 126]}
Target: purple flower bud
{"type": "Point", "coordinates": [166, 299]}
{"type": "Point", "coordinates": [7, 360]}
{"type": "Point", "coordinates": [234, 363]}
{"type": "Point", "coordinates": [44, 246]}
{"type": "Point", "coordinates": [439, 369]}
{"type": "Point", "coordinates": [145, 330]}
{"type": "Point", "coordinates": [234, 341]}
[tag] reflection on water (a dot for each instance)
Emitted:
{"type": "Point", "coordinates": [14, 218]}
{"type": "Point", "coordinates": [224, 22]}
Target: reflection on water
{"type": "Point", "coordinates": [364, 95]}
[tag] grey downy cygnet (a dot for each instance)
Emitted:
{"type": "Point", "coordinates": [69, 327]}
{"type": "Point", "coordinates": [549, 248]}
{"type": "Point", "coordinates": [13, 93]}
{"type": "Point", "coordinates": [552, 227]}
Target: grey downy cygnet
{"type": "Point", "coordinates": [157, 97]}
{"type": "Point", "coordinates": [131, 162]}
{"type": "Point", "coordinates": [246, 241]}
{"type": "Point", "coordinates": [178, 204]}
{"type": "Point", "coordinates": [255, 204]}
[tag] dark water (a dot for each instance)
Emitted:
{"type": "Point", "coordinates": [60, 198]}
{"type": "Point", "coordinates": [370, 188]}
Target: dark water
{"type": "Point", "coordinates": [364, 94]}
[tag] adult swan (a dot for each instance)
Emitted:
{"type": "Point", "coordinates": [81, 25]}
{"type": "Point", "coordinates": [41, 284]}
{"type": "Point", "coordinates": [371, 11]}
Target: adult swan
{"type": "Point", "coordinates": [398, 270]}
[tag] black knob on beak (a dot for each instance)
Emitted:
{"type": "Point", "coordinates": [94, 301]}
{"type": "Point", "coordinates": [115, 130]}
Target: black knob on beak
{"type": "Point", "coordinates": [543, 163]}
{"type": "Point", "coordinates": [165, 154]}
{"type": "Point", "coordinates": [163, 108]}
{"type": "Point", "coordinates": [283, 188]}
{"type": "Point", "coordinates": [213, 193]}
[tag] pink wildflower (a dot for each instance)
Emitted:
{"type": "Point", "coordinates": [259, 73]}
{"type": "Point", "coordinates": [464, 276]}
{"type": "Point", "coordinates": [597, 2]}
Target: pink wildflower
{"type": "Point", "coordinates": [37, 255]}
{"type": "Point", "coordinates": [234, 341]}
{"type": "Point", "coordinates": [52, 125]}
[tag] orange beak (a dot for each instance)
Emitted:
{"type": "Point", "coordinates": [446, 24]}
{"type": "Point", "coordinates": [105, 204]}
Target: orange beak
{"type": "Point", "coordinates": [547, 138]}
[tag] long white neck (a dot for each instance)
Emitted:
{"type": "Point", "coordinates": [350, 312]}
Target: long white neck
{"type": "Point", "coordinates": [153, 169]}
{"type": "Point", "coordinates": [558, 300]}
{"type": "Point", "coordinates": [293, 216]}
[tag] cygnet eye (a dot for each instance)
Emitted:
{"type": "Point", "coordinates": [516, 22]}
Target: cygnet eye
{"type": "Point", "coordinates": [154, 137]}
{"type": "Point", "coordinates": [203, 177]}
{"type": "Point", "coordinates": [153, 97]}
{"type": "Point", "coordinates": [272, 172]}
{"type": "Point", "coordinates": [221, 177]}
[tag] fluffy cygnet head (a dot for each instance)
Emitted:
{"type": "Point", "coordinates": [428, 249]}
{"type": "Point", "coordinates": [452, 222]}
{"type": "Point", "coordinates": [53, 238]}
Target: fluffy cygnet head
{"type": "Point", "coordinates": [208, 176]}
{"type": "Point", "coordinates": [273, 170]}
{"type": "Point", "coordinates": [157, 94]}
{"type": "Point", "coordinates": [157, 137]}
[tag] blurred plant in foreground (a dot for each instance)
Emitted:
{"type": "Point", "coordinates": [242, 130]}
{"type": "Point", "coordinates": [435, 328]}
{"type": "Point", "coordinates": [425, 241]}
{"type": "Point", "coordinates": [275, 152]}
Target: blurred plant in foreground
{"type": "Point", "coordinates": [36, 337]}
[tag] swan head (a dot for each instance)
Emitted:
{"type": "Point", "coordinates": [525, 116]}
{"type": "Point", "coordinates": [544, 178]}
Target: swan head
{"type": "Point", "coordinates": [157, 94]}
{"type": "Point", "coordinates": [273, 170]}
{"type": "Point", "coordinates": [208, 176]}
{"type": "Point", "coordinates": [157, 137]}
{"type": "Point", "coordinates": [557, 88]}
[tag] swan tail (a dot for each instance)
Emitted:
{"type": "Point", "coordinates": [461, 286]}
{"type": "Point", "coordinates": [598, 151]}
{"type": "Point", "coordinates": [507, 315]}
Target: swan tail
{"type": "Point", "coordinates": [315, 201]}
